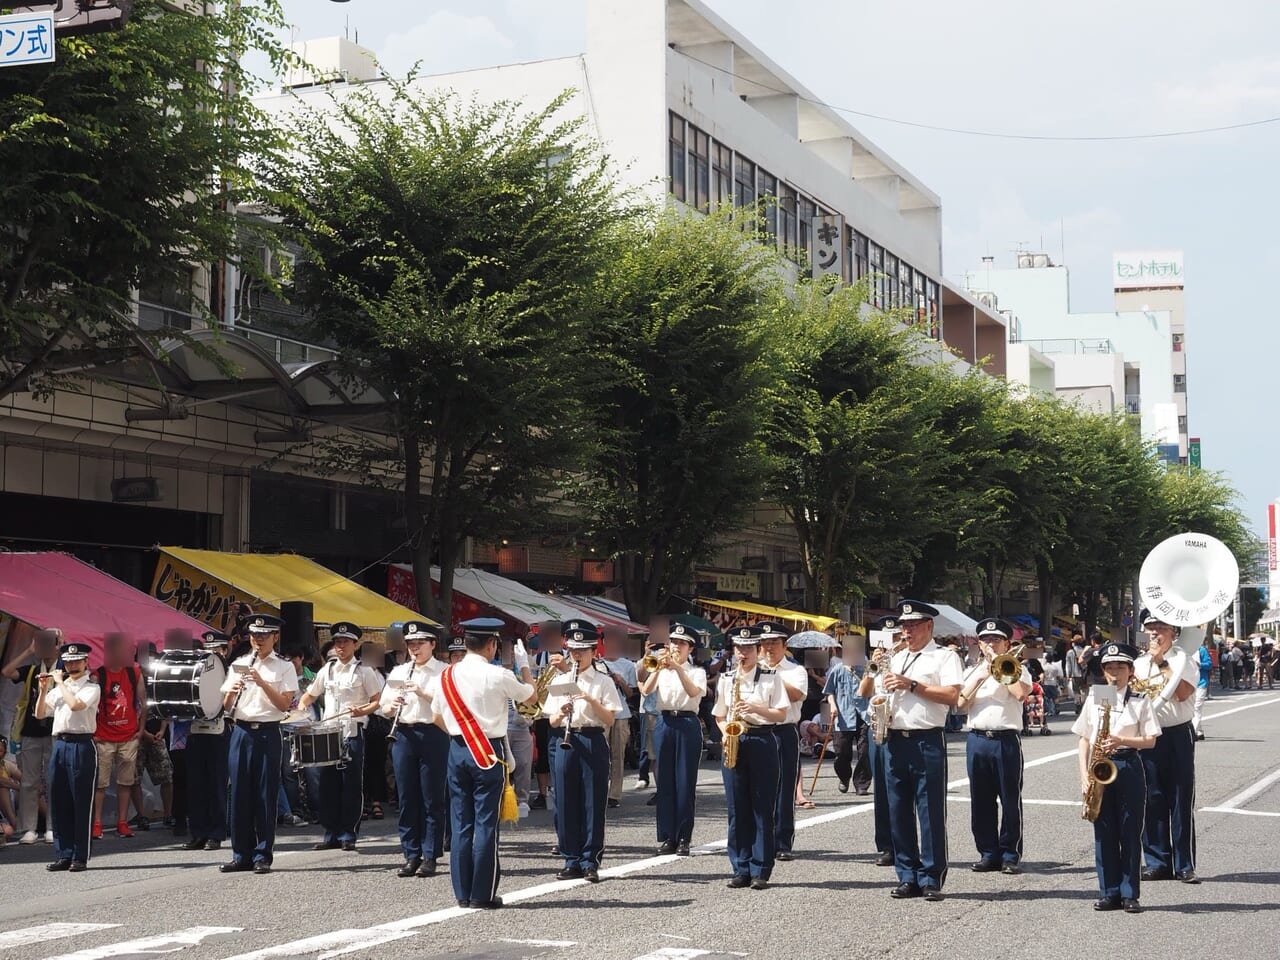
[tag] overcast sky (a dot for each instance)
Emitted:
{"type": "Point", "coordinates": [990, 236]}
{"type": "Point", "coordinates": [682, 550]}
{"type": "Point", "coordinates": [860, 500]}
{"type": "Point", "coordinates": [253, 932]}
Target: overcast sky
{"type": "Point", "coordinates": [1091, 68]}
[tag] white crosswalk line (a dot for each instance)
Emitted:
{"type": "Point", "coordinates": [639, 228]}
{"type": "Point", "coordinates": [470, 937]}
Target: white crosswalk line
{"type": "Point", "coordinates": [48, 931]}
{"type": "Point", "coordinates": [674, 953]}
{"type": "Point", "coordinates": [328, 945]}
{"type": "Point", "coordinates": [164, 943]}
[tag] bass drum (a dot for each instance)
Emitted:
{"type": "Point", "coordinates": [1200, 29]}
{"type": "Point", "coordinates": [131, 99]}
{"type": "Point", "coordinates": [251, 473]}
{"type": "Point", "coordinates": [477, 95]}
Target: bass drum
{"type": "Point", "coordinates": [185, 685]}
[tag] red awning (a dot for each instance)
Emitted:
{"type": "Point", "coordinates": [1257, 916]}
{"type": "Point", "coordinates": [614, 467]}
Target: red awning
{"type": "Point", "coordinates": [57, 590]}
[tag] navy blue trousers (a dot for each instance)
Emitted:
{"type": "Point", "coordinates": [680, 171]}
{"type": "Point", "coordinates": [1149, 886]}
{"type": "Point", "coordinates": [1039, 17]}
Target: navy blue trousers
{"type": "Point", "coordinates": [476, 797]}
{"type": "Point", "coordinates": [784, 812]}
{"type": "Point", "coordinates": [877, 759]}
{"type": "Point", "coordinates": [995, 775]}
{"type": "Point", "coordinates": [339, 791]}
{"type": "Point", "coordinates": [1169, 837]}
{"type": "Point", "coordinates": [420, 760]}
{"type": "Point", "coordinates": [751, 793]}
{"type": "Point", "coordinates": [73, 776]}
{"type": "Point", "coordinates": [581, 777]}
{"type": "Point", "coordinates": [207, 758]}
{"type": "Point", "coordinates": [1117, 833]}
{"type": "Point", "coordinates": [916, 775]}
{"type": "Point", "coordinates": [679, 744]}
{"type": "Point", "coordinates": [255, 788]}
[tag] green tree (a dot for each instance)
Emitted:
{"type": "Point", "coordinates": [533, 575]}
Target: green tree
{"type": "Point", "coordinates": [452, 251]}
{"type": "Point", "coordinates": [683, 325]}
{"type": "Point", "coordinates": [122, 164]}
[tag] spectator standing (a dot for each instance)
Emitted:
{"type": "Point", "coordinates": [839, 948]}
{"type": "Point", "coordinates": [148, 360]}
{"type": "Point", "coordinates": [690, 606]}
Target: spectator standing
{"type": "Point", "coordinates": [32, 735]}
{"type": "Point", "coordinates": [1205, 662]}
{"type": "Point", "coordinates": [10, 782]}
{"type": "Point", "coordinates": [623, 673]}
{"type": "Point", "coordinates": [121, 707]}
{"type": "Point", "coordinates": [1052, 683]}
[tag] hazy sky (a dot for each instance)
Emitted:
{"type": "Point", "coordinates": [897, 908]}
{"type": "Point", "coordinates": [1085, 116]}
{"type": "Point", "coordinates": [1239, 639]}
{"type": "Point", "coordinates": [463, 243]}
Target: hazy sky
{"type": "Point", "coordinates": [1091, 68]}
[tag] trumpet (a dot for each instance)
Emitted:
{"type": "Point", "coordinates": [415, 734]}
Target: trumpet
{"type": "Point", "coordinates": [653, 662]}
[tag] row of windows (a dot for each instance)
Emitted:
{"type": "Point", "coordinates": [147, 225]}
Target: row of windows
{"type": "Point", "coordinates": [706, 173]}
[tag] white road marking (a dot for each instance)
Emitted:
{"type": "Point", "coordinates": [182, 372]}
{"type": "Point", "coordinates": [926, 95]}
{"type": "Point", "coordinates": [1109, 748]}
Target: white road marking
{"type": "Point", "coordinates": [1247, 706]}
{"type": "Point", "coordinates": [1042, 803]}
{"type": "Point", "coordinates": [674, 953]}
{"type": "Point", "coordinates": [48, 931]}
{"type": "Point", "coordinates": [1245, 813]}
{"type": "Point", "coordinates": [165, 943]}
{"type": "Point", "coordinates": [327, 945]}
{"type": "Point", "coordinates": [1248, 793]}
{"type": "Point", "coordinates": [541, 943]}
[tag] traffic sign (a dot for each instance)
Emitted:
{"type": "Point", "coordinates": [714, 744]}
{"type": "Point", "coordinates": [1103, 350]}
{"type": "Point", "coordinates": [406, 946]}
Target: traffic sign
{"type": "Point", "coordinates": [26, 38]}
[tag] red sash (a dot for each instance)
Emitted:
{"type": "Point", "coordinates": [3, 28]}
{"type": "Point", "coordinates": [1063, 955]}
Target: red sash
{"type": "Point", "coordinates": [479, 745]}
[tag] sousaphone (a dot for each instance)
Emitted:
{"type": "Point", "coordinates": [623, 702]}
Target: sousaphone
{"type": "Point", "coordinates": [1187, 581]}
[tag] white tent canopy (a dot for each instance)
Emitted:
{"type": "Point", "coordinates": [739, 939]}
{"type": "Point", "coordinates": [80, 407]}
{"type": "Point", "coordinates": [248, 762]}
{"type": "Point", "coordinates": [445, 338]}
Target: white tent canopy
{"type": "Point", "coordinates": [950, 622]}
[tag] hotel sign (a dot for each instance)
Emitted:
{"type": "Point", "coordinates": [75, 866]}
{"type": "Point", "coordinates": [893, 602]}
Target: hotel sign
{"type": "Point", "coordinates": [1145, 269]}
{"type": "Point", "coordinates": [748, 583]}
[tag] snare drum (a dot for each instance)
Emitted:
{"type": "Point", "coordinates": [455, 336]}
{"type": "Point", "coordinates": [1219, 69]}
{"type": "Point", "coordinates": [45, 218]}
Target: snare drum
{"type": "Point", "coordinates": [185, 685]}
{"type": "Point", "coordinates": [318, 745]}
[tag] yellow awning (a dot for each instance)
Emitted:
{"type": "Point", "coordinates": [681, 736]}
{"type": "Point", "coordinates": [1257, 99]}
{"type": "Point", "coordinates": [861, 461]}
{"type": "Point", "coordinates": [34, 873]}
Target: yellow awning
{"type": "Point", "coordinates": [810, 620]}
{"type": "Point", "coordinates": [269, 579]}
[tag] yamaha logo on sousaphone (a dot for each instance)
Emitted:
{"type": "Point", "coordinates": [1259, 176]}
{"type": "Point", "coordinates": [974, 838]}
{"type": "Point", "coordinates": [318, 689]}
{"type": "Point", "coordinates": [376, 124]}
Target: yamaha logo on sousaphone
{"type": "Point", "coordinates": [1189, 579]}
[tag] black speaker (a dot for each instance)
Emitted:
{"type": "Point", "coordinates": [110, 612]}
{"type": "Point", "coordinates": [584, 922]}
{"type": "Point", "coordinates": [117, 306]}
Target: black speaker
{"type": "Point", "coordinates": [299, 630]}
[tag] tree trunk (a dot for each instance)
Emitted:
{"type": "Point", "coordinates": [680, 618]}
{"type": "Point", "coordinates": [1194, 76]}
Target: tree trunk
{"type": "Point", "coordinates": [1045, 578]}
{"type": "Point", "coordinates": [420, 537]}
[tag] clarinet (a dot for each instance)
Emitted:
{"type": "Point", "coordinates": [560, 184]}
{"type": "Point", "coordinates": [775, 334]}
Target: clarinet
{"type": "Point", "coordinates": [240, 693]}
{"type": "Point", "coordinates": [568, 721]}
{"type": "Point", "coordinates": [391, 734]}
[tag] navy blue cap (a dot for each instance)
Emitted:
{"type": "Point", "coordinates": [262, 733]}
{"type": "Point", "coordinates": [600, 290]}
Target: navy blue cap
{"type": "Point", "coordinates": [482, 626]}
{"type": "Point", "coordinates": [744, 637]}
{"type": "Point", "coordinates": [1147, 617]}
{"type": "Point", "coordinates": [212, 639]}
{"type": "Point", "coordinates": [417, 630]}
{"type": "Point", "coordinates": [457, 645]}
{"type": "Point", "coordinates": [580, 634]}
{"type": "Point", "coordinates": [264, 623]}
{"type": "Point", "coordinates": [345, 629]}
{"type": "Point", "coordinates": [886, 623]}
{"type": "Point", "coordinates": [683, 632]}
{"type": "Point", "coordinates": [1119, 653]}
{"type": "Point", "coordinates": [74, 651]}
{"type": "Point", "coordinates": [916, 610]}
{"type": "Point", "coordinates": [768, 630]}
{"type": "Point", "coordinates": [995, 627]}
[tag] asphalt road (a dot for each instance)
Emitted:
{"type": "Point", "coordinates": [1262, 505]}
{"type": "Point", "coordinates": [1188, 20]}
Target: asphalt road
{"type": "Point", "coordinates": [144, 897]}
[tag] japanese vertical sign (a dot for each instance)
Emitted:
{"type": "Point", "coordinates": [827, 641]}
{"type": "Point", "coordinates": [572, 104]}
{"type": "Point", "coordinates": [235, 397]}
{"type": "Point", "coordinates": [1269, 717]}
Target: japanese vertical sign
{"type": "Point", "coordinates": [26, 38]}
{"type": "Point", "coordinates": [827, 254]}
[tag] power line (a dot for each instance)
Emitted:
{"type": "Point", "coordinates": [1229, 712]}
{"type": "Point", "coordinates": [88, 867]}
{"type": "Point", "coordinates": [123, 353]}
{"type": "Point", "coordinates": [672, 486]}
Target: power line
{"type": "Point", "coordinates": [989, 134]}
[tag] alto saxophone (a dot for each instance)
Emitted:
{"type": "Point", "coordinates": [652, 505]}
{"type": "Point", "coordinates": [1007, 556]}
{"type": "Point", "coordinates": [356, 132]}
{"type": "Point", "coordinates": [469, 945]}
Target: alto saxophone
{"type": "Point", "coordinates": [1102, 769]}
{"type": "Point", "coordinates": [733, 727]}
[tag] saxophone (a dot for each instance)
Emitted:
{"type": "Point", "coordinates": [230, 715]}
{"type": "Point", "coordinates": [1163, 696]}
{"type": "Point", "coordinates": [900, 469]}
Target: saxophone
{"type": "Point", "coordinates": [1102, 769]}
{"type": "Point", "coordinates": [733, 727]}
{"type": "Point", "coordinates": [533, 709]}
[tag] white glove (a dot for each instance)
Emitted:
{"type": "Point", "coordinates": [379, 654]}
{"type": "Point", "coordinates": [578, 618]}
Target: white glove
{"type": "Point", "coordinates": [520, 656]}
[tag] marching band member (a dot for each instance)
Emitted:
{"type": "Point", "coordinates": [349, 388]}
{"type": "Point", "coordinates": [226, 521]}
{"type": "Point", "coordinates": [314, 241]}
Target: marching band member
{"type": "Point", "coordinates": [469, 702]}
{"type": "Point", "coordinates": [350, 691]}
{"type": "Point", "coordinates": [419, 753]}
{"type": "Point", "coordinates": [1169, 833]}
{"type": "Point", "coordinates": [795, 680]}
{"type": "Point", "coordinates": [680, 687]}
{"type": "Point", "coordinates": [256, 696]}
{"type": "Point", "coordinates": [72, 699]}
{"type": "Point", "coordinates": [1117, 832]}
{"type": "Point", "coordinates": [923, 681]}
{"type": "Point", "coordinates": [756, 697]}
{"type": "Point", "coordinates": [550, 653]}
{"type": "Point", "coordinates": [872, 684]}
{"type": "Point", "coordinates": [993, 752]}
{"type": "Point", "coordinates": [581, 769]}
{"type": "Point", "coordinates": [208, 746]}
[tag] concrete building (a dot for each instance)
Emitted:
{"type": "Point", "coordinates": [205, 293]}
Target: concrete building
{"type": "Point", "coordinates": [1108, 362]}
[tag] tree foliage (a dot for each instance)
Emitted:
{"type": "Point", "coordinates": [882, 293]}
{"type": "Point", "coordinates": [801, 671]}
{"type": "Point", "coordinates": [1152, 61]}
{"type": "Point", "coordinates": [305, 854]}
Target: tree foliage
{"type": "Point", "coordinates": [121, 164]}
{"type": "Point", "coordinates": [451, 252]}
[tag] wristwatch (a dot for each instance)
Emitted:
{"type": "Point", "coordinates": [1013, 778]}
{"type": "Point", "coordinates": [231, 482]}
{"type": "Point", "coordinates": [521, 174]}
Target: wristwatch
{"type": "Point", "coordinates": [913, 686]}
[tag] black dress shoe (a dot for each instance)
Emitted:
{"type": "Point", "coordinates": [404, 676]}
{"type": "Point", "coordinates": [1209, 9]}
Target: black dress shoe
{"type": "Point", "coordinates": [861, 792]}
{"type": "Point", "coordinates": [905, 891]}
{"type": "Point", "coordinates": [785, 856]}
{"type": "Point", "coordinates": [591, 875]}
{"type": "Point", "coordinates": [570, 873]}
{"type": "Point", "coordinates": [348, 845]}
{"type": "Point", "coordinates": [235, 866]}
{"type": "Point", "coordinates": [428, 868]}
{"type": "Point", "coordinates": [652, 801]}
{"type": "Point", "coordinates": [682, 850]}
{"type": "Point", "coordinates": [538, 802]}
{"type": "Point", "coordinates": [884, 860]}
{"type": "Point", "coordinates": [1187, 876]}
{"type": "Point", "coordinates": [737, 883]}
{"type": "Point", "coordinates": [261, 867]}
{"type": "Point", "coordinates": [193, 844]}
{"type": "Point", "coordinates": [465, 904]}
{"type": "Point", "coordinates": [666, 847]}
{"type": "Point", "coordinates": [213, 844]}
{"type": "Point", "coordinates": [759, 883]}
{"type": "Point", "coordinates": [1131, 905]}
{"type": "Point", "coordinates": [1107, 903]}
{"type": "Point", "coordinates": [326, 845]}
{"type": "Point", "coordinates": [410, 867]}
{"type": "Point", "coordinates": [843, 786]}
{"type": "Point", "coordinates": [78, 866]}
{"type": "Point", "coordinates": [58, 866]}
{"type": "Point", "coordinates": [613, 804]}
{"type": "Point", "coordinates": [555, 850]}
{"type": "Point", "coordinates": [1012, 869]}
{"type": "Point", "coordinates": [493, 904]}
{"type": "Point", "coordinates": [930, 893]}
{"type": "Point", "coordinates": [1157, 873]}
{"type": "Point", "coordinates": [985, 866]}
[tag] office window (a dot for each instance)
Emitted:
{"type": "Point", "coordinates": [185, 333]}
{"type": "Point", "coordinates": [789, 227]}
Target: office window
{"type": "Point", "coordinates": [167, 304]}
{"type": "Point", "coordinates": [879, 283]}
{"type": "Point", "coordinates": [806, 210]}
{"type": "Point", "coordinates": [787, 216]}
{"type": "Point", "coordinates": [935, 309]}
{"type": "Point", "coordinates": [721, 173]}
{"type": "Point", "coordinates": [892, 299]}
{"type": "Point", "coordinates": [860, 255]}
{"type": "Point", "coordinates": [744, 182]}
{"type": "Point", "coordinates": [1179, 383]}
{"type": "Point", "coordinates": [677, 158]}
{"type": "Point", "coordinates": [769, 197]}
{"type": "Point", "coordinates": [847, 270]}
{"type": "Point", "coordinates": [699, 168]}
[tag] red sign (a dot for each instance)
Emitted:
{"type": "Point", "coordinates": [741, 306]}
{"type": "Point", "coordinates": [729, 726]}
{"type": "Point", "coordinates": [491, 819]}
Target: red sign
{"type": "Point", "coordinates": [1271, 536]}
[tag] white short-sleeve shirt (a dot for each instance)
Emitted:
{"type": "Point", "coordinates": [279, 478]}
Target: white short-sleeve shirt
{"type": "Point", "coordinates": [932, 665]}
{"type": "Point", "coordinates": [66, 720]}
{"type": "Point", "coordinates": [343, 686]}
{"type": "Point", "coordinates": [798, 677]}
{"type": "Point", "coordinates": [671, 692]}
{"type": "Point", "coordinates": [1170, 712]}
{"type": "Point", "coordinates": [993, 706]}
{"type": "Point", "coordinates": [485, 689]}
{"type": "Point", "coordinates": [253, 705]}
{"type": "Point", "coordinates": [1133, 717]}
{"type": "Point", "coordinates": [595, 683]}
{"type": "Point", "coordinates": [761, 685]}
{"type": "Point", "coordinates": [417, 701]}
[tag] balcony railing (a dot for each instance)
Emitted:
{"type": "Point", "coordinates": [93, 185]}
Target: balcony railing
{"type": "Point", "coordinates": [1072, 345]}
{"type": "Point", "coordinates": [286, 349]}
{"type": "Point", "coordinates": [155, 316]}
{"type": "Point", "coordinates": [1133, 403]}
